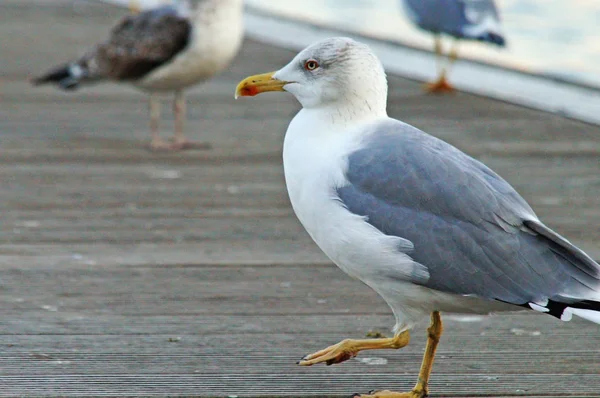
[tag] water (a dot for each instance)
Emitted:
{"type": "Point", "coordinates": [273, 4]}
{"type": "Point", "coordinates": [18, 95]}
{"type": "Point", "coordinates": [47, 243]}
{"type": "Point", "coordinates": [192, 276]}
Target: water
{"type": "Point", "coordinates": [556, 37]}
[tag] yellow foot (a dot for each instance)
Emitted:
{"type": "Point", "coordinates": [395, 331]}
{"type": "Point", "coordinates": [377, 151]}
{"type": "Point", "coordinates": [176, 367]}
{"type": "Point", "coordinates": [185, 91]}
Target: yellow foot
{"type": "Point", "coordinates": [164, 146]}
{"type": "Point", "coordinates": [336, 353]}
{"type": "Point", "coordinates": [442, 86]}
{"type": "Point", "coordinates": [392, 394]}
{"type": "Point", "coordinates": [349, 348]}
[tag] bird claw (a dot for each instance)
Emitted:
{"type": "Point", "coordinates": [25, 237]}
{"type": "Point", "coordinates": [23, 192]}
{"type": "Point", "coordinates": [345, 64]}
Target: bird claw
{"type": "Point", "coordinates": [391, 394]}
{"type": "Point", "coordinates": [336, 353]}
{"type": "Point", "coordinates": [164, 146]}
{"type": "Point", "coordinates": [442, 86]}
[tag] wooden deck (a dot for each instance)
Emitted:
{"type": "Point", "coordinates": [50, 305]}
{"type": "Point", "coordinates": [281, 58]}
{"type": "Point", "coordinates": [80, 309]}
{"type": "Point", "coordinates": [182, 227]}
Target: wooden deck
{"type": "Point", "coordinates": [129, 273]}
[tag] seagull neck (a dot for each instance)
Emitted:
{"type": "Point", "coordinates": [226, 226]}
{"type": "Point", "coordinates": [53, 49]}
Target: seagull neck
{"type": "Point", "coordinates": [208, 10]}
{"type": "Point", "coordinates": [347, 114]}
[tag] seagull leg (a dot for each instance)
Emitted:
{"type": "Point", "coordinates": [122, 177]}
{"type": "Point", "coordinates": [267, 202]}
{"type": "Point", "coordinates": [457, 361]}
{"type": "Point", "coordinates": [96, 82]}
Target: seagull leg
{"type": "Point", "coordinates": [179, 141]}
{"type": "Point", "coordinates": [453, 54]}
{"type": "Point", "coordinates": [180, 110]}
{"type": "Point", "coordinates": [421, 389]}
{"type": "Point", "coordinates": [439, 54]}
{"type": "Point", "coordinates": [347, 349]}
{"type": "Point", "coordinates": [441, 85]}
{"type": "Point", "coordinates": [154, 109]}
{"type": "Point", "coordinates": [134, 6]}
{"type": "Point", "coordinates": [157, 143]}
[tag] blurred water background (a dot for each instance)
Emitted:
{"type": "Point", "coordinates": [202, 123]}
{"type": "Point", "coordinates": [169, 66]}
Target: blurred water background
{"type": "Point", "coordinates": [557, 38]}
{"type": "Point", "coordinates": [560, 38]}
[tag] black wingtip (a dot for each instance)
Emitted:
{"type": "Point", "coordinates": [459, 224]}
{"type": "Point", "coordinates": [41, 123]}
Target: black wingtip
{"type": "Point", "coordinates": [38, 80]}
{"type": "Point", "coordinates": [563, 311]}
{"type": "Point", "coordinates": [54, 75]}
{"type": "Point", "coordinates": [493, 38]}
{"type": "Point", "coordinates": [59, 76]}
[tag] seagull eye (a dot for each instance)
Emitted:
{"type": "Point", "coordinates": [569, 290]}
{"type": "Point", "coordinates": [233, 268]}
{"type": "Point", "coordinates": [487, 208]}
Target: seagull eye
{"type": "Point", "coordinates": [311, 64]}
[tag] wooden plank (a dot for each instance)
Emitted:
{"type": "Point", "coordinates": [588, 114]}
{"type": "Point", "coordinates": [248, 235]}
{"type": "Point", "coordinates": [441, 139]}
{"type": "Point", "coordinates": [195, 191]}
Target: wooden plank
{"type": "Point", "coordinates": [162, 231]}
{"type": "Point", "coordinates": [253, 253]}
{"type": "Point", "coordinates": [225, 361]}
{"type": "Point", "coordinates": [190, 354]}
{"type": "Point", "coordinates": [507, 335]}
{"type": "Point", "coordinates": [248, 384]}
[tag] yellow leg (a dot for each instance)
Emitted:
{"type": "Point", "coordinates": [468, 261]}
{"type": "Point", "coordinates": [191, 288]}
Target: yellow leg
{"type": "Point", "coordinates": [439, 54]}
{"type": "Point", "coordinates": [434, 332]}
{"type": "Point", "coordinates": [421, 389]}
{"type": "Point", "coordinates": [134, 6]}
{"type": "Point", "coordinates": [453, 54]}
{"type": "Point", "coordinates": [441, 85]}
{"type": "Point", "coordinates": [349, 348]}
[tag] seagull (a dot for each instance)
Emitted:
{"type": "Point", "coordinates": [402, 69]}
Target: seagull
{"type": "Point", "coordinates": [426, 226]}
{"type": "Point", "coordinates": [164, 49]}
{"type": "Point", "coordinates": [461, 19]}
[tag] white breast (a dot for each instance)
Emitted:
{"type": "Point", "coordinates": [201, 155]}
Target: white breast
{"type": "Point", "coordinates": [315, 162]}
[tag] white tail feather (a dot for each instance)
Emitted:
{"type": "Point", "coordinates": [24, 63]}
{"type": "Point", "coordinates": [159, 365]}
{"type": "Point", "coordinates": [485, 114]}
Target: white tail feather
{"type": "Point", "coordinates": [590, 315]}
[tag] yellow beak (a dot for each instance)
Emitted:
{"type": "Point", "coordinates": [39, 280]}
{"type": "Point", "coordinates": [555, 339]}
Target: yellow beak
{"type": "Point", "coordinates": [257, 84]}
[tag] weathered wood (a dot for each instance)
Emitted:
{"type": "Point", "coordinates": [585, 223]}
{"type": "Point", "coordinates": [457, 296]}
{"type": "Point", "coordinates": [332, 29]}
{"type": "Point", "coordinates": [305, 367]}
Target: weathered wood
{"type": "Point", "coordinates": [248, 384]}
{"type": "Point", "coordinates": [186, 353]}
{"type": "Point", "coordinates": [253, 253]}
{"type": "Point", "coordinates": [130, 273]}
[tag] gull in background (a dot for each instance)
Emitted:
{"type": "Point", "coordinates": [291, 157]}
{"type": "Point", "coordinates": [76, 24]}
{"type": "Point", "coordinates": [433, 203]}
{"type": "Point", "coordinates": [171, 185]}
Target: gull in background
{"type": "Point", "coordinates": [163, 49]}
{"type": "Point", "coordinates": [461, 19]}
{"type": "Point", "coordinates": [426, 226]}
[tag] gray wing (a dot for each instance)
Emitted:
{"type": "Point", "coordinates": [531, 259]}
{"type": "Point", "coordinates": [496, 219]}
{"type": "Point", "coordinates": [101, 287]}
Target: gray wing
{"type": "Point", "coordinates": [475, 234]}
{"type": "Point", "coordinates": [141, 43]}
{"type": "Point", "coordinates": [459, 18]}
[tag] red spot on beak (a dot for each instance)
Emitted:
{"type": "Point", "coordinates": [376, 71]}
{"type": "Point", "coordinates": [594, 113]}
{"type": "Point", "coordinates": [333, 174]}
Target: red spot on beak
{"type": "Point", "coordinates": [249, 91]}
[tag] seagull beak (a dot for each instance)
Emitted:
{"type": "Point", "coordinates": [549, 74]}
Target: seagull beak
{"type": "Point", "coordinates": [253, 85]}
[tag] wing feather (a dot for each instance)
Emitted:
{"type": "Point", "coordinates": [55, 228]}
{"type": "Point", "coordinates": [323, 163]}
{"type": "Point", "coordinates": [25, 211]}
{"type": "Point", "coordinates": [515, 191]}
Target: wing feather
{"type": "Point", "coordinates": [566, 249]}
{"type": "Point", "coordinates": [475, 234]}
{"type": "Point", "coordinates": [141, 43]}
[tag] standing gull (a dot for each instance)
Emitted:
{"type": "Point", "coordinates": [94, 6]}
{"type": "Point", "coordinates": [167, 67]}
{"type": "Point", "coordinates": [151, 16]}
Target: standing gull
{"type": "Point", "coordinates": [423, 224]}
{"type": "Point", "coordinates": [164, 49]}
{"type": "Point", "coordinates": [461, 19]}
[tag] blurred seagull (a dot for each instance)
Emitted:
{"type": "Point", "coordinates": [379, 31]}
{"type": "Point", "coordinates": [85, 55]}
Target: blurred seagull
{"type": "Point", "coordinates": [426, 226]}
{"type": "Point", "coordinates": [461, 19]}
{"type": "Point", "coordinates": [163, 49]}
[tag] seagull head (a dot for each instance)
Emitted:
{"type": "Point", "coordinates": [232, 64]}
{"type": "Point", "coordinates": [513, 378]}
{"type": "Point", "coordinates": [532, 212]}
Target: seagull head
{"type": "Point", "coordinates": [333, 73]}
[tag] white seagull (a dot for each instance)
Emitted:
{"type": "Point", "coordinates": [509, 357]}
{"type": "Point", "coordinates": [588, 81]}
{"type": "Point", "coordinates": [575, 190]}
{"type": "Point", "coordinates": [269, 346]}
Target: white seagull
{"type": "Point", "coordinates": [426, 226]}
{"type": "Point", "coordinates": [163, 49]}
{"type": "Point", "coordinates": [461, 19]}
